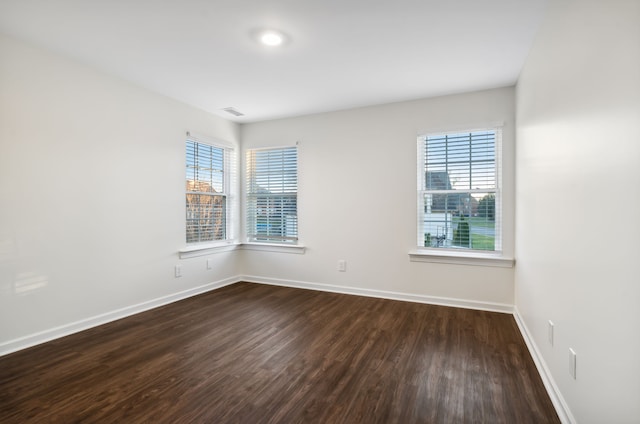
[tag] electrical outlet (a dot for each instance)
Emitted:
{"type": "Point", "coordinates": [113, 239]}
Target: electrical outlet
{"type": "Point", "coordinates": [550, 332]}
{"type": "Point", "coordinates": [209, 263]}
{"type": "Point", "coordinates": [342, 265]}
{"type": "Point", "coordinates": [572, 363]}
{"type": "Point", "coordinates": [178, 271]}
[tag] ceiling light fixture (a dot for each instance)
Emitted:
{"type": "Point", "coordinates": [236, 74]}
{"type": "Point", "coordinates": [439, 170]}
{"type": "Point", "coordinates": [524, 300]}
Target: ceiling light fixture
{"type": "Point", "coordinates": [271, 38]}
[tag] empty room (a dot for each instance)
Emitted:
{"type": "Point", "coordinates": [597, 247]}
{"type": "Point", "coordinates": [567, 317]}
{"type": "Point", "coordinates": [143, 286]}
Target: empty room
{"type": "Point", "coordinates": [319, 211]}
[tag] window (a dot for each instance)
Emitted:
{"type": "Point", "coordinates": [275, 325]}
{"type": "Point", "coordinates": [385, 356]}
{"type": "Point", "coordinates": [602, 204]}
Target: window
{"type": "Point", "coordinates": [208, 204]}
{"type": "Point", "coordinates": [459, 190]}
{"type": "Point", "coordinates": [272, 195]}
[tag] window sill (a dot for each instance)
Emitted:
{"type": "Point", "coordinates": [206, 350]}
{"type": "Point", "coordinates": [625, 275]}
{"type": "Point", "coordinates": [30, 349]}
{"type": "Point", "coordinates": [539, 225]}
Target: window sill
{"type": "Point", "coordinates": [206, 249]}
{"type": "Point", "coordinates": [272, 247]}
{"type": "Point", "coordinates": [461, 258]}
{"type": "Point", "coordinates": [210, 248]}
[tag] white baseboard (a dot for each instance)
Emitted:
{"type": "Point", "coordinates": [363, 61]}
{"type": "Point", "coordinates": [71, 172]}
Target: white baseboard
{"type": "Point", "coordinates": [564, 413]}
{"type": "Point", "coordinates": [75, 327]}
{"type": "Point", "coordinates": [84, 324]}
{"type": "Point", "coordinates": [418, 298]}
{"type": "Point", "coordinates": [559, 403]}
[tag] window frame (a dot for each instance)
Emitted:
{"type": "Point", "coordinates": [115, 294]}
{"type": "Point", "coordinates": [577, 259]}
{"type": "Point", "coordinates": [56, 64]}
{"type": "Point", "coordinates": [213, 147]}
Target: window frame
{"type": "Point", "coordinates": [228, 193]}
{"type": "Point", "coordinates": [460, 255]}
{"type": "Point", "coordinates": [252, 240]}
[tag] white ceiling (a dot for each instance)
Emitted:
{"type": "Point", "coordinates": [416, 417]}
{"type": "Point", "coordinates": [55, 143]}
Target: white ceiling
{"type": "Point", "coordinates": [340, 53]}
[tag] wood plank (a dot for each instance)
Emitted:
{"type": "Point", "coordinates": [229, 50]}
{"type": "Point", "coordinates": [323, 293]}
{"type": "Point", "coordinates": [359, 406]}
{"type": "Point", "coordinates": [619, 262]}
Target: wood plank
{"type": "Point", "coordinates": [250, 353]}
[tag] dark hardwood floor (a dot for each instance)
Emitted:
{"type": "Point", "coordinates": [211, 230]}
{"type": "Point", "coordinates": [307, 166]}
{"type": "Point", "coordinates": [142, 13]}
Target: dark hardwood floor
{"type": "Point", "coordinates": [251, 353]}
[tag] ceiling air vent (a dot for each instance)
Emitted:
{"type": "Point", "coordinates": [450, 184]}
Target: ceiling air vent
{"type": "Point", "coordinates": [232, 111]}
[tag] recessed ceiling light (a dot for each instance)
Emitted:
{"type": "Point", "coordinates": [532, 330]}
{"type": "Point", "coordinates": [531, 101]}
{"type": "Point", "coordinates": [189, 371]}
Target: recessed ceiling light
{"type": "Point", "coordinates": [271, 38]}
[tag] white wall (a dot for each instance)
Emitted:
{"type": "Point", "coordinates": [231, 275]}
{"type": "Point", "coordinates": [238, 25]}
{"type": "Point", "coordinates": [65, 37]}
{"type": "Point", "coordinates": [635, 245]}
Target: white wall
{"type": "Point", "coordinates": [578, 156]}
{"type": "Point", "coordinates": [92, 201]}
{"type": "Point", "coordinates": [91, 195]}
{"type": "Point", "coordinates": [357, 197]}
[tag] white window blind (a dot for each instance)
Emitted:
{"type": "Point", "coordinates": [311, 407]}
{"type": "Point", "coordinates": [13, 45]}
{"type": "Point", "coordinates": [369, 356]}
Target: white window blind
{"type": "Point", "coordinates": [459, 190]}
{"type": "Point", "coordinates": [207, 192]}
{"type": "Point", "coordinates": [272, 195]}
